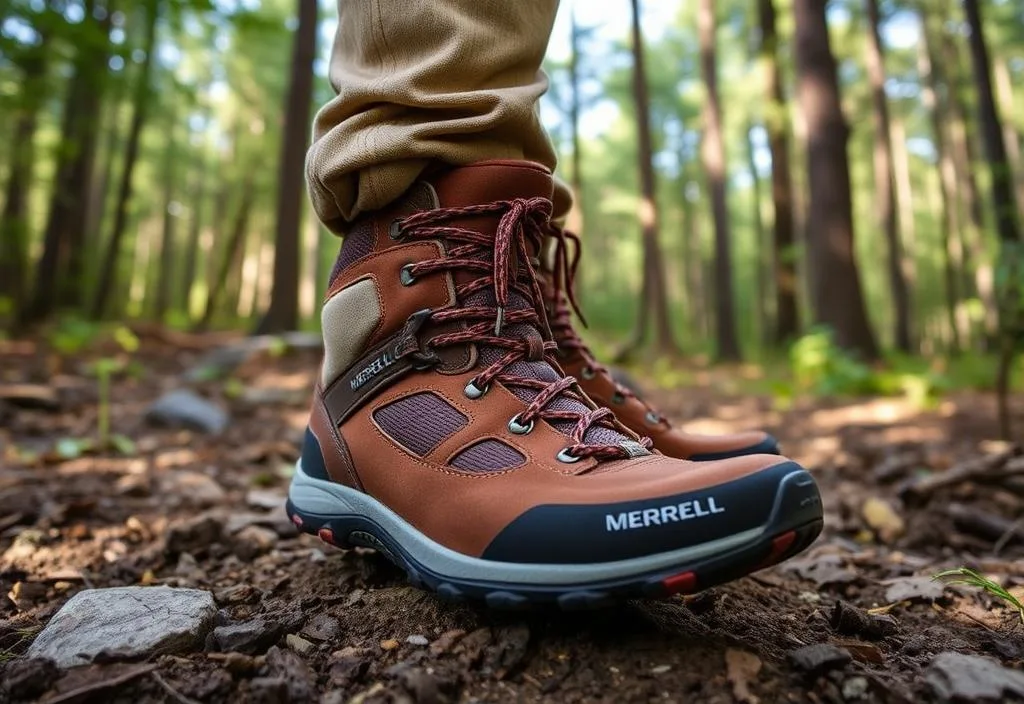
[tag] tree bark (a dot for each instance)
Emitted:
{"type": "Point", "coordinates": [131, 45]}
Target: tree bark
{"type": "Point", "coordinates": [14, 231]}
{"type": "Point", "coordinates": [762, 262]}
{"type": "Point", "coordinates": [190, 266]}
{"type": "Point", "coordinates": [166, 249]}
{"type": "Point", "coordinates": [654, 298]}
{"type": "Point", "coordinates": [713, 157]}
{"type": "Point", "coordinates": [835, 281]}
{"type": "Point", "coordinates": [108, 273]}
{"type": "Point", "coordinates": [232, 254]}
{"type": "Point", "coordinates": [1011, 296]}
{"type": "Point", "coordinates": [283, 313]}
{"type": "Point", "coordinates": [1004, 90]}
{"type": "Point", "coordinates": [576, 182]}
{"type": "Point", "coordinates": [787, 317]}
{"type": "Point", "coordinates": [885, 183]}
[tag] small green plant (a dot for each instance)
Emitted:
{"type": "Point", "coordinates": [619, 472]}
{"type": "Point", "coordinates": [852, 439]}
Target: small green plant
{"type": "Point", "coordinates": [965, 575]}
{"type": "Point", "coordinates": [104, 369]}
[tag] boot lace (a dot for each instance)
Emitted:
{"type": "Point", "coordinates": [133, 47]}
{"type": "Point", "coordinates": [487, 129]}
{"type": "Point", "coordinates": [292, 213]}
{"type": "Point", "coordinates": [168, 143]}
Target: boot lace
{"type": "Point", "coordinates": [561, 306]}
{"type": "Point", "coordinates": [502, 264]}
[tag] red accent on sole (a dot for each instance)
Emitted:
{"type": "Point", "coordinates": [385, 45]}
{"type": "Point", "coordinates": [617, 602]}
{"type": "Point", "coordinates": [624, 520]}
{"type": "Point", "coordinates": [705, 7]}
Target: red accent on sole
{"type": "Point", "coordinates": [326, 535]}
{"type": "Point", "coordinates": [780, 545]}
{"type": "Point", "coordinates": [684, 583]}
{"type": "Point", "coordinates": [297, 520]}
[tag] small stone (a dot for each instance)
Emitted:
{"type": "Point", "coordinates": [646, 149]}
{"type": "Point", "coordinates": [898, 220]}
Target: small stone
{"type": "Point", "coordinates": [136, 485]}
{"type": "Point", "coordinates": [972, 678]}
{"type": "Point", "coordinates": [299, 644]}
{"type": "Point", "coordinates": [335, 696]}
{"type": "Point", "coordinates": [126, 622]}
{"type": "Point", "coordinates": [819, 658]}
{"type": "Point", "coordinates": [317, 555]}
{"type": "Point", "coordinates": [268, 690]}
{"type": "Point", "coordinates": [424, 687]}
{"type": "Point", "coordinates": [660, 669]}
{"type": "Point", "coordinates": [855, 688]}
{"type": "Point", "coordinates": [389, 644]}
{"type": "Point", "coordinates": [265, 499]}
{"type": "Point", "coordinates": [287, 665]}
{"type": "Point", "coordinates": [252, 541]}
{"type": "Point", "coordinates": [27, 678]}
{"type": "Point", "coordinates": [236, 594]}
{"type": "Point", "coordinates": [193, 488]}
{"type": "Point", "coordinates": [185, 409]}
{"type": "Point", "coordinates": [852, 620]}
{"type": "Point", "coordinates": [250, 637]}
{"type": "Point", "coordinates": [322, 627]}
{"type": "Point", "coordinates": [445, 642]}
{"type": "Point", "coordinates": [417, 640]}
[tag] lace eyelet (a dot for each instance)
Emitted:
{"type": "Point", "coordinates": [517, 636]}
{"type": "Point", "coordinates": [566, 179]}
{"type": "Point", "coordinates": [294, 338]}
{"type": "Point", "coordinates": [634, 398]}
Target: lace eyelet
{"type": "Point", "coordinates": [567, 457]}
{"type": "Point", "coordinates": [618, 399]}
{"type": "Point", "coordinates": [472, 391]}
{"type": "Point", "coordinates": [405, 275]}
{"type": "Point", "coordinates": [395, 229]}
{"type": "Point", "coordinates": [587, 373]}
{"type": "Point", "coordinates": [517, 428]}
{"type": "Point", "coordinates": [652, 418]}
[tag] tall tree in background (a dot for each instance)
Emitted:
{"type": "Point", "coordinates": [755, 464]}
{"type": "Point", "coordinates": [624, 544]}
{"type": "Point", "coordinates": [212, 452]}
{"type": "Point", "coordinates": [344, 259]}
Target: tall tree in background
{"type": "Point", "coordinates": [283, 313]}
{"type": "Point", "coordinates": [713, 156]}
{"type": "Point", "coordinates": [835, 281]}
{"type": "Point", "coordinates": [787, 321]}
{"type": "Point", "coordinates": [885, 181]}
{"type": "Point", "coordinates": [105, 283]}
{"type": "Point", "coordinates": [575, 105]}
{"type": "Point", "coordinates": [1011, 295]}
{"type": "Point", "coordinates": [14, 230]}
{"type": "Point", "coordinates": [654, 296]}
{"type": "Point", "coordinates": [166, 249]}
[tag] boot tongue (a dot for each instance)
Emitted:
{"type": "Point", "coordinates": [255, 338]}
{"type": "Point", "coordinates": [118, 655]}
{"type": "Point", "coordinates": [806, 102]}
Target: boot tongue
{"type": "Point", "coordinates": [487, 182]}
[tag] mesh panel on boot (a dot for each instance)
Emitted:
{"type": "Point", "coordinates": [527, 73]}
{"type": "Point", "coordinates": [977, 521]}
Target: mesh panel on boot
{"type": "Point", "coordinates": [356, 245]}
{"type": "Point", "coordinates": [488, 456]}
{"type": "Point", "coordinates": [420, 422]}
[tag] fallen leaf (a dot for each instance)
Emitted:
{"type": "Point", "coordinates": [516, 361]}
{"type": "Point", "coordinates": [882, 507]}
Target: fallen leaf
{"type": "Point", "coordinates": [913, 589]}
{"type": "Point", "coordinates": [389, 644]}
{"type": "Point", "coordinates": [742, 668]}
{"type": "Point", "coordinates": [883, 519]}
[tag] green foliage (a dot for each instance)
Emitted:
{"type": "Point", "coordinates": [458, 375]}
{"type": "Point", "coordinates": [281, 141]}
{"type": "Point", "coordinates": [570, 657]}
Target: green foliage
{"type": "Point", "coordinates": [72, 334]}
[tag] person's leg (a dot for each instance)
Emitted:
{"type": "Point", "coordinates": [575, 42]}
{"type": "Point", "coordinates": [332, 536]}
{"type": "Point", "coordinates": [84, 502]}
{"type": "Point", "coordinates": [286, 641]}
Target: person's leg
{"type": "Point", "coordinates": [422, 81]}
{"type": "Point", "coordinates": [442, 431]}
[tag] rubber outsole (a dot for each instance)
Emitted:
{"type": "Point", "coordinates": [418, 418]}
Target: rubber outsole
{"type": "Point", "coordinates": [795, 522]}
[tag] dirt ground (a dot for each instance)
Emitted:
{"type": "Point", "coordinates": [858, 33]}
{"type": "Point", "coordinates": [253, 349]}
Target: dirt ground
{"type": "Point", "coordinates": [907, 494]}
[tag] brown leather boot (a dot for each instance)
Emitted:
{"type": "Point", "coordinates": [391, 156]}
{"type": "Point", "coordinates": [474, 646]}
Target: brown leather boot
{"type": "Point", "coordinates": [635, 413]}
{"type": "Point", "coordinates": [443, 435]}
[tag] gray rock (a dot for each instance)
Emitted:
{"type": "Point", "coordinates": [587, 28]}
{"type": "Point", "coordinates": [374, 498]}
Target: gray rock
{"type": "Point", "coordinates": [126, 622]}
{"type": "Point", "coordinates": [322, 627]}
{"type": "Point", "coordinates": [184, 409]}
{"type": "Point", "coordinates": [250, 637]}
{"type": "Point", "coordinates": [192, 488]}
{"type": "Point", "coordinates": [971, 678]}
{"type": "Point", "coordinates": [820, 658]}
{"type": "Point", "coordinates": [300, 680]}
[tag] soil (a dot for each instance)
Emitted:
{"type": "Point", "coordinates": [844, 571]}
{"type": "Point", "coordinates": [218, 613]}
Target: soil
{"type": "Point", "coordinates": [908, 493]}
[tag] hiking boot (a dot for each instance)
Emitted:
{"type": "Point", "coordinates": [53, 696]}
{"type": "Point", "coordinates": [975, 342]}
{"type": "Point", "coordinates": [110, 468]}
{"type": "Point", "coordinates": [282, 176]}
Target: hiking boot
{"type": "Point", "coordinates": [635, 413]}
{"type": "Point", "coordinates": [443, 435]}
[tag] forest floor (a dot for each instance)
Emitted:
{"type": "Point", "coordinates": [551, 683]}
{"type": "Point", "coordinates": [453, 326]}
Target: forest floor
{"type": "Point", "coordinates": [907, 493]}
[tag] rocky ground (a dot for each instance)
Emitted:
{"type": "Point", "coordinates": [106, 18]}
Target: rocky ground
{"type": "Point", "coordinates": [157, 564]}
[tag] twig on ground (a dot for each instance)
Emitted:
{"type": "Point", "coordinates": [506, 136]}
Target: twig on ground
{"type": "Point", "coordinates": [988, 468]}
{"type": "Point", "coordinates": [985, 525]}
{"type": "Point", "coordinates": [1016, 530]}
{"type": "Point", "coordinates": [171, 691]}
{"type": "Point", "coordinates": [81, 692]}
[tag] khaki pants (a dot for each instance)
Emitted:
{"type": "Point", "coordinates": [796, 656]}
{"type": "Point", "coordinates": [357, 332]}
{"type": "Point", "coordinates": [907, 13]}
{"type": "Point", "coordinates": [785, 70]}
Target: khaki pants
{"type": "Point", "coordinates": [455, 81]}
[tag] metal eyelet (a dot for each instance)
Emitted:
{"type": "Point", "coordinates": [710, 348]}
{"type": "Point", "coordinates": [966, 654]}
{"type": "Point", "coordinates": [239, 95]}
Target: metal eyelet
{"type": "Point", "coordinates": [567, 457]}
{"type": "Point", "coordinates": [473, 391]}
{"type": "Point", "coordinates": [587, 373]}
{"type": "Point", "coordinates": [395, 229]}
{"type": "Point", "coordinates": [652, 418]}
{"type": "Point", "coordinates": [517, 428]}
{"type": "Point", "coordinates": [618, 399]}
{"type": "Point", "coordinates": [405, 275]}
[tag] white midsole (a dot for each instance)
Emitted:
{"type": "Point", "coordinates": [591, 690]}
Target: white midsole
{"type": "Point", "coordinates": [325, 498]}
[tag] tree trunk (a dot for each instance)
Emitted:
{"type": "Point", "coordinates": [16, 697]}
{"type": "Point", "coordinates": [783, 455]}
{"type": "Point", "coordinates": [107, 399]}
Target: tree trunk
{"type": "Point", "coordinates": [232, 254]}
{"type": "Point", "coordinates": [654, 298]}
{"type": "Point", "coordinates": [950, 214]}
{"type": "Point", "coordinates": [885, 183]}
{"type": "Point", "coordinates": [166, 250]}
{"type": "Point", "coordinates": [106, 283]}
{"type": "Point", "coordinates": [190, 267]}
{"type": "Point", "coordinates": [14, 230]}
{"type": "Point", "coordinates": [713, 158]}
{"type": "Point", "coordinates": [761, 258]}
{"type": "Point", "coordinates": [1004, 89]}
{"type": "Point", "coordinates": [283, 313]}
{"type": "Point", "coordinates": [1011, 296]}
{"type": "Point", "coordinates": [783, 236]}
{"type": "Point", "coordinates": [576, 183]}
{"type": "Point", "coordinates": [835, 282]}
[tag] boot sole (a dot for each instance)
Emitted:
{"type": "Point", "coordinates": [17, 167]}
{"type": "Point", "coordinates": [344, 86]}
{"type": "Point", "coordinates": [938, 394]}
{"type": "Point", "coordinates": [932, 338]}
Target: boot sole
{"type": "Point", "coordinates": [346, 518]}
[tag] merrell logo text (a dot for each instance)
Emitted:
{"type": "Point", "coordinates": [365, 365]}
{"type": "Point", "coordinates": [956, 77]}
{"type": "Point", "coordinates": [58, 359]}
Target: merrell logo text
{"type": "Point", "coordinates": [673, 513]}
{"type": "Point", "coordinates": [385, 360]}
